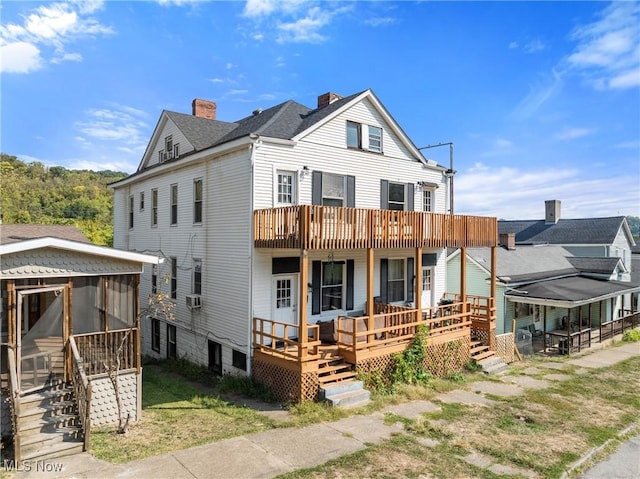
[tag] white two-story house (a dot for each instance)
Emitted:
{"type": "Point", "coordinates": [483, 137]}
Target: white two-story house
{"type": "Point", "coordinates": [292, 229]}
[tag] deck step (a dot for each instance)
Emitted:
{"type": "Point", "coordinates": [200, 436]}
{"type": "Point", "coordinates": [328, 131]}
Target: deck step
{"type": "Point", "coordinates": [483, 355]}
{"type": "Point", "coordinates": [336, 377]}
{"type": "Point", "coordinates": [59, 449]}
{"type": "Point", "coordinates": [493, 365]}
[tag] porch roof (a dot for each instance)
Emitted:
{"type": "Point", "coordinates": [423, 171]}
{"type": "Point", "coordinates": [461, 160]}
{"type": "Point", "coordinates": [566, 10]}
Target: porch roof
{"type": "Point", "coordinates": [76, 246]}
{"type": "Point", "coordinates": [570, 292]}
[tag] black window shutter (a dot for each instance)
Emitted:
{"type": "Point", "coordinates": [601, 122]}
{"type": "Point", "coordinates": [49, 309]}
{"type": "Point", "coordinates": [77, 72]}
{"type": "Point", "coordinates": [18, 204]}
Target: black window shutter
{"type": "Point", "coordinates": [384, 280]}
{"type": "Point", "coordinates": [410, 196]}
{"type": "Point", "coordinates": [316, 271]}
{"type": "Point", "coordinates": [350, 270]}
{"type": "Point", "coordinates": [316, 187]}
{"type": "Point", "coordinates": [351, 191]}
{"type": "Point", "coordinates": [410, 279]}
{"type": "Point", "coordinates": [384, 194]}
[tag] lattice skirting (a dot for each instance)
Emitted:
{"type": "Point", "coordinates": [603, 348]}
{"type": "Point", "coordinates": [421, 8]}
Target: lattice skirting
{"type": "Point", "coordinates": [440, 360]}
{"type": "Point", "coordinates": [289, 386]}
{"type": "Point", "coordinates": [487, 337]}
{"type": "Point", "coordinates": [504, 347]}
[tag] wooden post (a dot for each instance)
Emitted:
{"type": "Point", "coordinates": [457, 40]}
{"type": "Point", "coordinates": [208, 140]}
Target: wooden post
{"type": "Point", "coordinates": [66, 327]}
{"type": "Point", "coordinates": [494, 262]}
{"type": "Point", "coordinates": [463, 274]}
{"type": "Point", "coordinates": [303, 332]}
{"type": "Point", "coordinates": [11, 312]}
{"type": "Point", "coordinates": [370, 309]}
{"type": "Point", "coordinates": [136, 319]}
{"type": "Point", "coordinates": [418, 282]}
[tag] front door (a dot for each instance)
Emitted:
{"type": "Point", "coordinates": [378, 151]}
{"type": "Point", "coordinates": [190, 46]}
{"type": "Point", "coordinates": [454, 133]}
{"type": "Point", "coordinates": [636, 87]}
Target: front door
{"type": "Point", "coordinates": [285, 304]}
{"type": "Point", "coordinates": [40, 336]}
{"type": "Point", "coordinates": [426, 300]}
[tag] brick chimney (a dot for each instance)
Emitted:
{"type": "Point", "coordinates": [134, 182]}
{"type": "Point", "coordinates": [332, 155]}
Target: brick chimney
{"type": "Point", "coordinates": [507, 240]}
{"type": "Point", "coordinates": [327, 99]}
{"type": "Point", "coordinates": [551, 211]}
{"type": "Point", "coordinates": [203, 109]}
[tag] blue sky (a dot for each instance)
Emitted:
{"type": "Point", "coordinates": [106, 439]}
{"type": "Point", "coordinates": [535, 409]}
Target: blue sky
{"type": "Point", "coordinates": [541, 99]}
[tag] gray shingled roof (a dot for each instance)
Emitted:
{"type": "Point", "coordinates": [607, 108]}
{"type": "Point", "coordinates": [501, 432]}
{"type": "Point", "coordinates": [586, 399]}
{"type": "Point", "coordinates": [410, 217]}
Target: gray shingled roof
{"type": "Point", "coordinates": [526, 263]}
{"type": "Point", "coordinates": [594, 265]}
{"type": "Point", "coordinates": [13, 233]}
{"type": "Point", "coordinates": [565, 231]}
{"type": "Point", "coordinates": [283, 121]}
{"type": "Point", "coordinates": [573, 289]}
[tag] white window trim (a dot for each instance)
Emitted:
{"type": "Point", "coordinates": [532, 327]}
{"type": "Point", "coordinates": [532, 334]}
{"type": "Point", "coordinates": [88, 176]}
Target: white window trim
{"type": "Point", "coordinates": [368, 137]}
{"type": "Point", "coordinates": [294, 187]}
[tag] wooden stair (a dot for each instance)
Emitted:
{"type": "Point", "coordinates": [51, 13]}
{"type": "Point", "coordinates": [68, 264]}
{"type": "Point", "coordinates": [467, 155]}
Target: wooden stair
{"type": "Point", "coordinates": [333, 369]}
{"type": "Point", "coordinates": [49, 425]}
{"type": "Point", "coordinates": [486, 358]}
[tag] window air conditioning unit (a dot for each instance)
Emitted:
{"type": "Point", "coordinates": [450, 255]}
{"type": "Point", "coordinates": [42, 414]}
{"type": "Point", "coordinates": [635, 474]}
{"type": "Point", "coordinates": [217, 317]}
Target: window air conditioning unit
{"type": "Point", "coordinates": [194, 301]}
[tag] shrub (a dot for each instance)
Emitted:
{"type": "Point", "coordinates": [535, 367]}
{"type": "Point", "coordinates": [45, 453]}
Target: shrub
{"type": "Point", "coordinates": [631, 336]}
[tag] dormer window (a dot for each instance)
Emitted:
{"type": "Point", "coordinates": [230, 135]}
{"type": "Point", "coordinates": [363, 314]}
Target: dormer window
{"type": "Point", "coordinates": [168, 144]}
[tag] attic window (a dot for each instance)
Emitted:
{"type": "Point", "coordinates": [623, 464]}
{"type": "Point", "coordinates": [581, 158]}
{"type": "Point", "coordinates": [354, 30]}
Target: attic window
{"type": "Point", "coordinates": [168, 144]}
{"type": "Point", "coordinates": [375, 139]}
{"type": "Point", "coordinates": [353, 135]}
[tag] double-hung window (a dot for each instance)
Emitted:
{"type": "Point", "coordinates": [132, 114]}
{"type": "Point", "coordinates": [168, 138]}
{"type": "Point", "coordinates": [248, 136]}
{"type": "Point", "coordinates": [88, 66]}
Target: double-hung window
{"type": "Point", "coordinates": [395, 281]}
{"type": "Point", "coordinates": [172, 342]}
{"type": "Point", "coordinates": [131, 208]}
{"type": "Point", "coordinates": [155, 334]}
{"type": "Point", "coordinates": [197, 277]}
{"type": "Point", "coordinates": [332, 286]}
{"type": "Point", "coordinates": [375, 139]}
{"type": "Point", "coordinates": [197, 200]}
{"type": "Point", "coordinates": [174, 277]}
{"type": "Point", "coordinates": [142, 201]}
{"type": "Point", "coordinates": [174, 204]}
{"type": "Point", "coordinates": [354, 135]}
{"type": "Point", "coordinates": [333, 193]}
{"type": "Point", "coordinates": [154, 279]}
{"type": "Point", "coordinates": [154, 207]}
{"type": "Point", "coordinates": [396, 196]}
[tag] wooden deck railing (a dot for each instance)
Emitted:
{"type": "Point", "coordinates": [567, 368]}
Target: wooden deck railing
{"type": "Point", "coordinates": [330, 227]}
{"type": "Point", "coordinates": [283, 339]}
{"type": "Point", "coordinates": [98, 350]}
{"type": "Point", "coordinates": [82, 390]}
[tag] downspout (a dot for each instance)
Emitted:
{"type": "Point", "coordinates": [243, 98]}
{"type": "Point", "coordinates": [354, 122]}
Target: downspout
{"type": "Point", "coordinates": [252, 159]}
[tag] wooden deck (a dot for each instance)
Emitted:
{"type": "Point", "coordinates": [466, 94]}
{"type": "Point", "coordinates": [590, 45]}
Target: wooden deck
{"type": "Point", "coordinates": [315, 227]}
{"type": "Point", "coordinates": [391, 329]}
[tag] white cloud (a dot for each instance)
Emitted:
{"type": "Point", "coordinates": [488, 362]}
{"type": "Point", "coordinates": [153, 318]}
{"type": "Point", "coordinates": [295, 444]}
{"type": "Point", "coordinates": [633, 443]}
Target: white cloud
{"type": "Point", "coordinates": [19, 57]}
{"type": "Point", "coordinates": [292, 21]}
{"type": "Point", "coordinates": [608, 50]}
{"type": "Point", "coordinates": [119, 123]}
{"type": "Point", "coordinates": [514, 45]}
{"type": "Point", "coordinates": [573, 133]}
{"type": "Point", "coordinates": [546, 88]}
{"type": "Point", "coordinates": [380, 21]}
{"type": "Point", "coordinates": [515, 193]}
{"type": "Point", "coordinates": [45, 32]}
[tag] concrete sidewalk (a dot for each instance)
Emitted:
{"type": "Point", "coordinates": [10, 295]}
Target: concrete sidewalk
{"type": "Point", "coordinates": [277, 451]}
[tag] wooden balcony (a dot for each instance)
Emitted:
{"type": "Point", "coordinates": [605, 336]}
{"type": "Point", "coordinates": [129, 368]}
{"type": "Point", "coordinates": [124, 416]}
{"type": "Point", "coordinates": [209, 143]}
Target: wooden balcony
{"type": "Point", "coordinates": [331, 227]}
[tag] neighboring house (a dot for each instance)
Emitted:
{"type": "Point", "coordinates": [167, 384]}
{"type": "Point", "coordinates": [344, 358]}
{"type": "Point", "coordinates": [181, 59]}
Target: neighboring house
{"type": "Point", "coordinates": [584, 237]}
{"type": "Point", "coordinates": [290, 229]}
{"type": "Point", "coordinates": [548, 291]}
{"type": "Point", "coordinates": [68, 307]}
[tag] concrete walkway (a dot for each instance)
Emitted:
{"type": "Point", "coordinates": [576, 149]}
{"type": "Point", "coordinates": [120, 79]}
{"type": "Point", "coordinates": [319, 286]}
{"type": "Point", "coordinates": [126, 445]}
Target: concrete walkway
{"type": "Point", "coordinates": [277, 451]}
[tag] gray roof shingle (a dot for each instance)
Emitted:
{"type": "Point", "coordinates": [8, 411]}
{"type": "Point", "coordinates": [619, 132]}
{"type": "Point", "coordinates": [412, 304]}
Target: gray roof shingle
{"type": "Point", "coordinates": [565, 231]}
{"type": "Point", "coordinates": [13, 233]}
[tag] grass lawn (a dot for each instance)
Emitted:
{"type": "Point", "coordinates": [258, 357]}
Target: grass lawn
{"type": "Point", "coordinates": [175, 415]}
{"type": "Point", "coordinates": [541, 432]}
